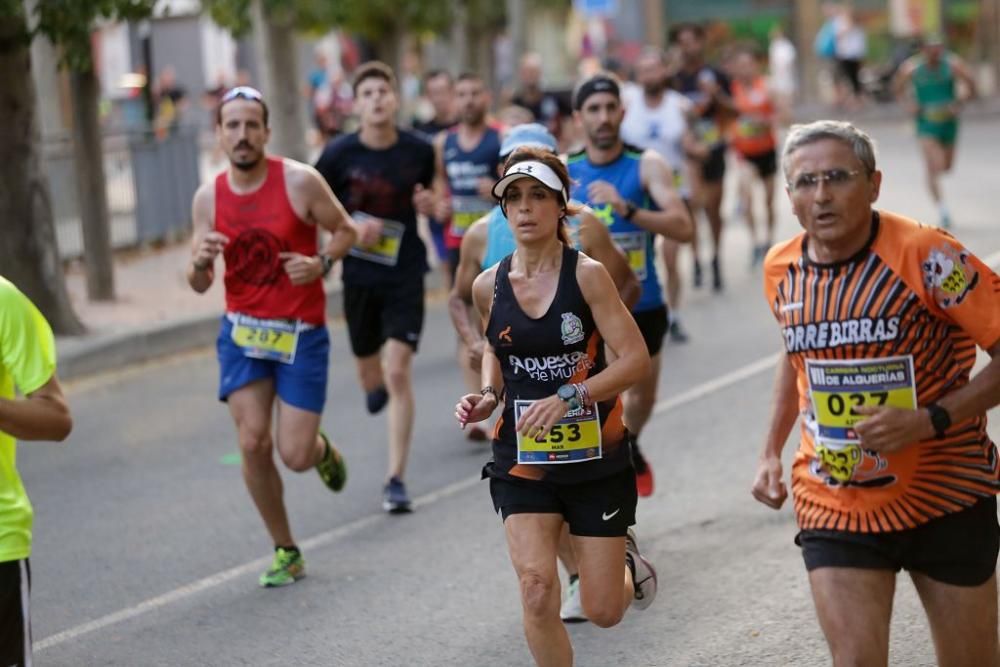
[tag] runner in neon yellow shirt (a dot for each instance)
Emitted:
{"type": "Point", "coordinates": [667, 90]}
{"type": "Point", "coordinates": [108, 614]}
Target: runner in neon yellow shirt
{"type": "Point", "coordinates": [28, 368]}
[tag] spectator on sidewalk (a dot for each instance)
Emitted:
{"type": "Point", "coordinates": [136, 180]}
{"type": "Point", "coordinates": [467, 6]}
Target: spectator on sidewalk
{"type": "Point", "coordinates": [27, 365]}
{"type": "Point", "coordinates": [783, 82]}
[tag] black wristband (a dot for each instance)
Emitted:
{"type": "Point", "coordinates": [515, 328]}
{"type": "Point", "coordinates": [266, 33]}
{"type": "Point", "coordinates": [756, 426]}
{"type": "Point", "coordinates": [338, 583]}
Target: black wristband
{"type": "Point", "coordinates": [630, 210]}
{"type": "Point", "coordinates": [327, 263]}
{"type": "Point", "coordinates": [940, 419]}
{"type": "Point", "coordinates": [490, 390]}
{"type": "Point", "coordinates": [201, 268]}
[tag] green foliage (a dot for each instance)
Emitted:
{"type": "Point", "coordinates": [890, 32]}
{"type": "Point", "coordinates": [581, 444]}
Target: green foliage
{"type": "Point", "coordinates": [69, 23]}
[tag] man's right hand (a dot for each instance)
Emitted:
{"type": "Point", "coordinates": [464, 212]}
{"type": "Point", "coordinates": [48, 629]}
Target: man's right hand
{"type": "Point", "coordinates": [208, 249]}
{"type": "Point", "coordinates": [767, 486]}
{"type": "Point", "coordinates": [369, 232]}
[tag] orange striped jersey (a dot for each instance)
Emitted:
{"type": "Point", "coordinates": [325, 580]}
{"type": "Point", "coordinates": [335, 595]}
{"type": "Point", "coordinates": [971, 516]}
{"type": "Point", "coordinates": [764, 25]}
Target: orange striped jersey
{"type": "Point", "coordinates": [897, 324]}
{"type": "Point", "coordinates": [753, 132]}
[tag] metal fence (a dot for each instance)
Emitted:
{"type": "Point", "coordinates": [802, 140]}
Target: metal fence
{"type": "Point", "coordinates": [150, 184]}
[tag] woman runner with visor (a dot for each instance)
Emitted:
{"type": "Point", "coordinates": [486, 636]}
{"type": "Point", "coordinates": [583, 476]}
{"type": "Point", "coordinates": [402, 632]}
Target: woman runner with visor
{"type": "Point", "coordinates": [559, 449]}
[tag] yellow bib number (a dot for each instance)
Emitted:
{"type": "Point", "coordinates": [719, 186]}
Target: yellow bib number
{"type": "Point", "coordinates": [275, 340]}
{"type": "Point", "coordinates": [574, 438]}
{"type": "Point", "coordinates": [837, 388]}
{"type": "Point", "coordinates": [385, 251]}
{"type": "Point", "coordinates": [465, 211]}
{"type": "Point", "coordinates": [633, 244]}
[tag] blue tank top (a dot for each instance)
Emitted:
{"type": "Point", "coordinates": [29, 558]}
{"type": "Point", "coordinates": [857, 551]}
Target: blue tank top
{"type": "Point", "coordinates": [637, 242]}
{"type": "Point", "coordinates": [500, 240]}
{"type": "Point", "coordinates": [464, 169]}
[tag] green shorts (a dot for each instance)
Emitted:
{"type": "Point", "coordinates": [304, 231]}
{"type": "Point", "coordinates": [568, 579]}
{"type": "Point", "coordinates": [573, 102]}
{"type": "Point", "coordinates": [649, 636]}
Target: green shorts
{"type": "Point", "coordinates": [944, 132]}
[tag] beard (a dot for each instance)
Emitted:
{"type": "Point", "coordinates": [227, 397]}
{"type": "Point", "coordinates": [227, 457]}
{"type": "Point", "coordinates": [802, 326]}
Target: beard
{"type": "Point", "coordinates": [473, 116]}
{"type": "Point", "coordinates": [604, 137]}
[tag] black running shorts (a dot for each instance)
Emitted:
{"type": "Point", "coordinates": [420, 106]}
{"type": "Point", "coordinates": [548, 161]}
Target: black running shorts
{"type": "Point", "coordinates": [15, 620]}
{"type": "Point", "coordinates": [653, 324]}
{"type": "Point", "coordinates": [766, 164]}
{"type": "Point", "coordinates": [377, 313]}
{"type": "Point", "coordinates": [958, 549]}
{"type": "Point", "coordinates": [713, 169]}
{"type": "Point", "coordinates": [602, 507]}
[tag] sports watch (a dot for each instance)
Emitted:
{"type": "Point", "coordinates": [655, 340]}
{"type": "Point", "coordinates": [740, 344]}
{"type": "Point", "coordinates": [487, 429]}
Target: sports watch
{"type": "Point", "coordinates": [630, 210]}
{"type": "Point", "coordinates": [940, 419]}
{"type": "Point", "coordinates": [569, 396]}
{"type": "Point", "coordinates": [327, 263]}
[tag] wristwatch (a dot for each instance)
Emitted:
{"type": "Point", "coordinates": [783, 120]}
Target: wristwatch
{"type": "Point", "coordinates": [630, 210]}
{"type": "Point", "coordinates": [940, 419]}
{"type": "Point", "coordinates": [327, 263]}
{"type": "Point", "coordinates": [569, 396]}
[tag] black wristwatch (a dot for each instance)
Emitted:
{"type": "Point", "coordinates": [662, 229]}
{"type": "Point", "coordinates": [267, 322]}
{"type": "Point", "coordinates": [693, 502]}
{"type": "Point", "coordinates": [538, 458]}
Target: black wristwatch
{"type": "Point", "coordinates": [940, 419]}
{"type": "Point", "coordinates": [327, 263]}
{"type": "Point", "coordinates": [490, 390]}
{"type": "Point", "coordinates": [630, 210]}
{"type": "Point", "coordinates": [569, 396]}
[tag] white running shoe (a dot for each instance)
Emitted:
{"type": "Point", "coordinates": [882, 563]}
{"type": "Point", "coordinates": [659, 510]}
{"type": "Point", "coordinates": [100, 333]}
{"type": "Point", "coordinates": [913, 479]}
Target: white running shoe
{"type": "Point", "coordinates": [572, 610]}
{"type": "Point", "coordinates": [644, 574]}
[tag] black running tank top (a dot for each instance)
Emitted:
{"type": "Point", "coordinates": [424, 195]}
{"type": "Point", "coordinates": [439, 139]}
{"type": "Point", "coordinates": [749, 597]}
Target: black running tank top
{"type": "Point", "coordinates": [536, 357]}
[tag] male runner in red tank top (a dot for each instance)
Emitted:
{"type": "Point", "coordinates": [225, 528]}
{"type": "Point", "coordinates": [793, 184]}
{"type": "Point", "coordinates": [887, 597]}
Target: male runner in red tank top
{"type": "Point", "coordinates": [262, 215]}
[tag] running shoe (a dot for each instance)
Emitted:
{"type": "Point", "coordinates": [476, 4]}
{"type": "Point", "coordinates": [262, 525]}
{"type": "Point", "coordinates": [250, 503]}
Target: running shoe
{"type": "Point", "coordinates": [677, 333]}
{"type": "Point", "coordinates": [376, 399]}
{"type": "Point", "coordinates": [643, 573]}
{"type": "Point", "coordinates": [286, 568]}
{"type": "Point", "coordinates": [332, 469]}
{"type": "Point", "coordinates": [394, 497]}
{"type": "Point", "coordinates": [716, 275]}
{"type": "Point", "coordinates": [644, 482]}
{"type": "Point", "coordinates": [572, 610]}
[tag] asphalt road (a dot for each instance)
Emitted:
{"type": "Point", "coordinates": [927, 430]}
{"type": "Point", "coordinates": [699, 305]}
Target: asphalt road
{"type": "Point", "coordinates": [147, 547]}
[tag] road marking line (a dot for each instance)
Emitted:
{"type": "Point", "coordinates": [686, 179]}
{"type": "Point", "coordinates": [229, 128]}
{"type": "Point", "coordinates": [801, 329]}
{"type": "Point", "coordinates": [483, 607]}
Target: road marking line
{"type": "Point", "coordinates": [323, 539]}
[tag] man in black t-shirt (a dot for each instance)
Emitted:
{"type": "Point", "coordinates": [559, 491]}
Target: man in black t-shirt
{"type": "Point", "coordinates": [548, 108]}
{"type": "Point", "coordinates": [383, 176]}
{"type": "Point", "coordinates": [709, 91]}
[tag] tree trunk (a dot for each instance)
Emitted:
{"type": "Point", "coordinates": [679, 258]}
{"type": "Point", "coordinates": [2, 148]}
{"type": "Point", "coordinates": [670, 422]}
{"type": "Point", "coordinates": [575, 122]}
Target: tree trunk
{"type": "Point", "coordinates": [277, 50]}
{"type": "Point", "coordinates": [91, 188]}
{"type": "Point", "coordinates": [28, 254]}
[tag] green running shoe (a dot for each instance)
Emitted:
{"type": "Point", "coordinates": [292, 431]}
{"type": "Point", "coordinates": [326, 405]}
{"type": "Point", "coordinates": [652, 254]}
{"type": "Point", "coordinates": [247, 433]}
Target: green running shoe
{"type": "Point", "coordinates": [332, 469]}
{"type": "Point", "coordinates": [286, 568]}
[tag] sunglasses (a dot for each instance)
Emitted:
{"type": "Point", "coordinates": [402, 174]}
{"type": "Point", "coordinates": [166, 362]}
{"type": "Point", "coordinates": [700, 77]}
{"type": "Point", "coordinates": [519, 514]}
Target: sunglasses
{"type": "Point", "coordinates": [832, 177]}
{"type": "Point", "coordinates": [243, 93]}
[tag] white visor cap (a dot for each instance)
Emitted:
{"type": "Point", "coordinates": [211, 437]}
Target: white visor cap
{"type": "Point", "coordinates": [539, 171]}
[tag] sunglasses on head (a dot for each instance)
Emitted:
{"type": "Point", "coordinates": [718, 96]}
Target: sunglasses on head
{"type": "Point", "coordinates": [244, 93]}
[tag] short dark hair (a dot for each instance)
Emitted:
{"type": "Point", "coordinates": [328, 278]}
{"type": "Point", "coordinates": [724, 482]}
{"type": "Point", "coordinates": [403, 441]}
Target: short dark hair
{"type": "Point", "coordinates": [435, 73]}
{"type": "Point", "coordinates": [468, 76]}
{"type": "Point", "coordinates": [681, 28]}
{"type": "Point", "coordinates": [373, 69]}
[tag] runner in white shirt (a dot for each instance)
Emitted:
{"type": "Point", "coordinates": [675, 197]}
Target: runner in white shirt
{"type": "Point", "coordinates": [658, 119]}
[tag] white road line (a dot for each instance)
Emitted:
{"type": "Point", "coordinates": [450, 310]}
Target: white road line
{"type": "Point", "coordinates": [323, 539]}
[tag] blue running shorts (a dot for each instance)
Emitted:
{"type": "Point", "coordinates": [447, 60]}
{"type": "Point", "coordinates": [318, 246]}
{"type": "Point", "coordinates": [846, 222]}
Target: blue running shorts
{"type": "Point", "coordinates": [301, 383]}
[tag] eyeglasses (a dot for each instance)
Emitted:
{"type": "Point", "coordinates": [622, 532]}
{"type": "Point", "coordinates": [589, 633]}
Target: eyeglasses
{"type": "Point", "coordinates": [243, 92]}
{"type": "Point", "coordinates": [834, 178]}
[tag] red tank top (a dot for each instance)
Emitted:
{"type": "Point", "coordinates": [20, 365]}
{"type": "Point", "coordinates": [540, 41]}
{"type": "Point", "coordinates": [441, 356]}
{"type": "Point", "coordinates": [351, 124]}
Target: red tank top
{"type": "Point", "coordinates": [260, 225]}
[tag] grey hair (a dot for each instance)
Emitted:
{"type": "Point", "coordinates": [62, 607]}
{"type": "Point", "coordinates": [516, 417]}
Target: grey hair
{"type": "Point", "coordinates": [838, 130]}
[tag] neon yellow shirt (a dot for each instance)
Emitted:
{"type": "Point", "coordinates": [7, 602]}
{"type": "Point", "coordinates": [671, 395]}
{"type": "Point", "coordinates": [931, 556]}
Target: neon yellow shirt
{"type": "Point", "coordinates": [27, 362]}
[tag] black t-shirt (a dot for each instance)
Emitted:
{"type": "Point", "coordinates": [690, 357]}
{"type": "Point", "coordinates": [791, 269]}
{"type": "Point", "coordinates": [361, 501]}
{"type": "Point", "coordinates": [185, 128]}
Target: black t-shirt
{"type": "Point", "coordinates": [686, 83]}
{"type": "Point", "coordinates": [380, 183]}
{"type": "Point", "coordinates": [549, 109]}
{"type": "Point", "coordinates": [430, 129]}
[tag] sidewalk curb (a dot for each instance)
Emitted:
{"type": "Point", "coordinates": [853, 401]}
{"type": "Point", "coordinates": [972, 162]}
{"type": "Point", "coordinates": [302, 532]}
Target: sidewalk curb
{"type": "Point", "coordinates": [109, 352]}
